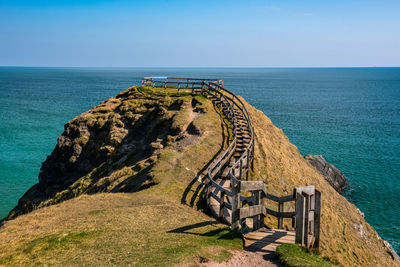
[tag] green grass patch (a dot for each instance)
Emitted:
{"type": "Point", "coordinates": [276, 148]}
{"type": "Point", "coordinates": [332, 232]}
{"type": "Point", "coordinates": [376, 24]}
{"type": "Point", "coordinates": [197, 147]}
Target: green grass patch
{"type": "Point", "coordinates": [56, 241]}
{"type": "Point", "coordinates": [296, 256]}
{"type": "Point", "coordinates": [48, 245]}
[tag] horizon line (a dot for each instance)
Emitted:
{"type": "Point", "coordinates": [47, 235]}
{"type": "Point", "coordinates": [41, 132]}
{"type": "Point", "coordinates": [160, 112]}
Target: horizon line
{"type": "Point", "coordinates": [197, 67]}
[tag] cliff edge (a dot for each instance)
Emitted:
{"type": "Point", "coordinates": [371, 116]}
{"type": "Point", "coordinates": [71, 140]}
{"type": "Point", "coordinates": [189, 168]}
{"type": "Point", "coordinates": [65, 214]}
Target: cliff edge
{"type": "Point", "coordinates": [151, 151]}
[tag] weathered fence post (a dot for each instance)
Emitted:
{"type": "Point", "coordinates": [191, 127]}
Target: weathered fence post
{"type": "Point", "coordinates": [247, 165]}
{"type": "Point", "coordinates": [299, 219]}
{"type": "Point", "coordinates": [261, 202]}
{"type": "Point", "coordinates": [206, 191]}
{"type": "Point", "coordinates": [221, 205]}
{"type": "Point", "coordinates": [256, 201]}
{"type": "Point", "coordinates": [235, 205]}
{"type": "Point", "coordinates": [306, 218]}
{"type": "Point", "coordinates": [317, 217]}
{"type": "Point", "coordinates": [240, 169]}
{"type": "Point", "coordinates": [280, 219]}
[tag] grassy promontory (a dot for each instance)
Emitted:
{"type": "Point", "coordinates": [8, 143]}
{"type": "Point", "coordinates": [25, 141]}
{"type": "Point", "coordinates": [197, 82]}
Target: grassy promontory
{"type": "Point", "coordinates": [123, 186]}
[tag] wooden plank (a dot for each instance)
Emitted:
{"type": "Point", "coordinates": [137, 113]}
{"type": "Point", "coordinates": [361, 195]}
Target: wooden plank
{"type": "Point", "coordinates": [272, 212]}
{"type": "Point", "coordinates": [280, 219]}
{"type": "Point", "coordinates": [215, 196]}
{"type": "Point", "coordinates": [273, 233]}
{"type": "Point", "coordinates": [256, 195]}
{"type": "Point", "coordinates": [251, 211]}
{"type": "Point", "coordinates": [286, 198]}
{"type": "Point", "coordinates": [266, 242]}
{"type": "Point", "coordinates": [221, 205]}
{"type": "Point", "coordinates": [235, 205]}
{"type": "Point", "coordinates": [262, 216]}
{"type": "Point", "coordinates": [249, 199]}
{"type": "Point", "coordinates": [299, 219]}
{"type": "Point", "coordinates": [220, 188]}
{"type": "Point", "coordinates": [287, 214]}
{"type": "Point", "coordinates": [306, 218]}
{"type": "Point", "coordinates": [269, 238]}
{"type": "Point", "coordinates": [272, 197]}
{"type": "Point", "coordinates": [317, 217]}
{"type": "Point", "coordinates": [311, 216]}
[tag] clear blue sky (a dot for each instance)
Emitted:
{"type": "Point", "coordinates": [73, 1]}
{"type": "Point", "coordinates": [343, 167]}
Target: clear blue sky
{"type": "Point", "coordinates": [200, 33]}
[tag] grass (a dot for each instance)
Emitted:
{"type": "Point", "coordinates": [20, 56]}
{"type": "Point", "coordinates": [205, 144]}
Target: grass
{"type": "Point", "coordinates": [141, 229]}
{"type": "Point", "coordinates": [56, 242]}
{"type": "Point", "coordinates": [291, 255]}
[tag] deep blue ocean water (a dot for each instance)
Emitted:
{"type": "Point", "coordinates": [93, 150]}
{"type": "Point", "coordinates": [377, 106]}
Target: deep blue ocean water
{"type": "Point", "coordinates": [349, 115]}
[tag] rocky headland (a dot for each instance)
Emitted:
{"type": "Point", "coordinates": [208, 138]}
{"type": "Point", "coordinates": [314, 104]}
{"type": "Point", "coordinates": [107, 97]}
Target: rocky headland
{"type": "Point", "coordinates": [124, 183]}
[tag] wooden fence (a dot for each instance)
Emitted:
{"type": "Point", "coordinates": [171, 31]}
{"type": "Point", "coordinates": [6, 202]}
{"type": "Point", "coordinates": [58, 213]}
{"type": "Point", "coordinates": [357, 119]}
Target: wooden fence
{"type": "Point", "coordinates": [231, 200]}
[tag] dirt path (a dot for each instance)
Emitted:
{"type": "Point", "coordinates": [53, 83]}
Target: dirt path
{"type": "Point", "coordinates": [259, 250]}
{"type": "Point", "coordinates": [248, 259]}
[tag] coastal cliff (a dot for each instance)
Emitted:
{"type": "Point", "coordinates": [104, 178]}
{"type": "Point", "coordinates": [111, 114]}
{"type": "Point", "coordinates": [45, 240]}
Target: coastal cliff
{"type": "Point", "coordinates": [151, 151]}
{"type": "Point", "coordinates": [112, 147]}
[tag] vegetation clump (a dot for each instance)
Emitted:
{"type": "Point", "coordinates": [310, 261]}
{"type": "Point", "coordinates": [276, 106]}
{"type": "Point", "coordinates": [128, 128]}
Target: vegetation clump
{"type": "Point", "coordinates": [291, 255]}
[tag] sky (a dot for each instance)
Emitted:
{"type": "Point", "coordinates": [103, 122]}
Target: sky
{"type": "Point", "coordinates": [218, 33]}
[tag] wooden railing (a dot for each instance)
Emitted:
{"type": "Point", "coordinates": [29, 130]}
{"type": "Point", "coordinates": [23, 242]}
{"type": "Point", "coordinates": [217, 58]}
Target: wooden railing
{"type": "Point", "coordinates": [240, 205]}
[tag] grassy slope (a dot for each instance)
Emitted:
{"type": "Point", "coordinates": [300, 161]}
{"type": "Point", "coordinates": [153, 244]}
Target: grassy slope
{"type": "Point", "coordinates": [281, 166]}
{"type": "Point", "coordinates": [152, 227]}
{"type": "Point", "coordinates": [119, 229]}
{"type": "Point", "coordinates": [149, 227]}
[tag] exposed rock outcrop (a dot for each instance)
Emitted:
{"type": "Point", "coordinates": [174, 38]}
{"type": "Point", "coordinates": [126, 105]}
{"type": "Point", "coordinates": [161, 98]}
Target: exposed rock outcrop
{"type": "Point", "coordinates": [331, 174]}
{"type": "Point", "coordinates": [112, 147]}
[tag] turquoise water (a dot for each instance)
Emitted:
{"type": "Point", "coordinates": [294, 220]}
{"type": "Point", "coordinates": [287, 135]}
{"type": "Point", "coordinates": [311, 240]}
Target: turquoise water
{"type": "Point", "coordinates": [349, 115]}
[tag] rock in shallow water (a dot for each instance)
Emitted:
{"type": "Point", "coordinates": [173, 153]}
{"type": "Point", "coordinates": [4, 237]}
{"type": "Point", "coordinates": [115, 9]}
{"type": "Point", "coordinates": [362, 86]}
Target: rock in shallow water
{"type": "Point", "coordinates": [331, 174]}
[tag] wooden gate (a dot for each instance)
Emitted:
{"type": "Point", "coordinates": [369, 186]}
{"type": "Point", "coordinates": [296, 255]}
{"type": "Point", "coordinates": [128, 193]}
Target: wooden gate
{"type": "Point", "coordinates": [308, 213]}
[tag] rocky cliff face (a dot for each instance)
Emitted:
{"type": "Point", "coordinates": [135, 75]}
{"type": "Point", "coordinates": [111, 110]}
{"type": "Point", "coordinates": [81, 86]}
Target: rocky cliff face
{"type": "Point", "coordinates": [112, 147]}
{"type": "Point", "coordinates": [331, 174]}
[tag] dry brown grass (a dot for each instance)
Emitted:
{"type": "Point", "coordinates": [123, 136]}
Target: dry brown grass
{"type": "Point", "coordinates": [114, 229]}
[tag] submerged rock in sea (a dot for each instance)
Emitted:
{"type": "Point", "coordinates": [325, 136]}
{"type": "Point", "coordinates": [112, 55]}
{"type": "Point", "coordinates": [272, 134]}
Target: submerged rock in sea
{"type": "Point", "coordinates": [331, 174]}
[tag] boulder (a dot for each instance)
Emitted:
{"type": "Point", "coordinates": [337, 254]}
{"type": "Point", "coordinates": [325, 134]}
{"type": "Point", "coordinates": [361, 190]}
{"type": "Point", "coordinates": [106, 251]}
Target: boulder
{"type": "Point", "coordinates": [331, 174]}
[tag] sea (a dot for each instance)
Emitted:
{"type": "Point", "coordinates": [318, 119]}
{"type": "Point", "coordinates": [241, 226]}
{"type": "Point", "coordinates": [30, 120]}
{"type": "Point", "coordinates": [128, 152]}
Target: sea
{"type": "Point", "coordinates": [349, 115]}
